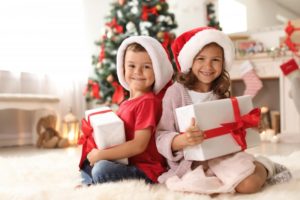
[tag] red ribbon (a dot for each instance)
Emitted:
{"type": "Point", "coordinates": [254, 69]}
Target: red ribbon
{"type": "Point", "coordinates": [96, 89]}
{"type": "Point", "coordinates": [238, 128]}
{"type": "Point", "coordinates": [114, 24]}
{"type": "Point", "coordinates": [87, 139]}
{"type": "Point", "coordinates": [148, 10]}
{"type": "Point", "coordinates": [119, 93]}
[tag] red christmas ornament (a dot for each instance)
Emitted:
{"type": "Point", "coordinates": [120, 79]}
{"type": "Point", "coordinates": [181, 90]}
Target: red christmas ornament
{"type": "Point", "coordinates": [148, 10]}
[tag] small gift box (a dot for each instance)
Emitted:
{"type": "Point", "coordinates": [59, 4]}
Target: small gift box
{"type": "Point", "coordinates": [227, 125]}
{"type": "Point", "coordinates": [289, 66]}
{"type": "Point", "coordinates": [108, 128]}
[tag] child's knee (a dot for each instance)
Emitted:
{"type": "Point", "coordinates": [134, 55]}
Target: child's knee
{"type": "Point", "coordinates": [100, 167]}
{"type": "Point", "coordinates": [254, 182]}
{"type": "Point", "coordinates": [251, 184]}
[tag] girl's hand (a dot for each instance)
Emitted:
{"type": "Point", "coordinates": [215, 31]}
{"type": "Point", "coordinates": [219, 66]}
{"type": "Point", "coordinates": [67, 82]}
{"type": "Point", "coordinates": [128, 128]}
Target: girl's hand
{"type": "Point", "coordinates": [193, 134]}
{"type": "Point", "coordinates": [93, 156]}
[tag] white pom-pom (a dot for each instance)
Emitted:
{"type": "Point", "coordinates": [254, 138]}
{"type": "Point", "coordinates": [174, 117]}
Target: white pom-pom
{"type": "Point", "coordinates": [263, 136]}
{"type": "Point", "coordinates": [269, 134]}
{"type": "Point", "coordinates": [275, 139]}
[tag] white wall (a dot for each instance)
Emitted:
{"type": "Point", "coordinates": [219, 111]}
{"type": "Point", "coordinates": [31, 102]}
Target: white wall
{"type": "Point", "coordinates": [262, 13]}
{"type": "Point", "coordinates": [95, 12]}
{"type": "Point", "coordinates": [188, 14]}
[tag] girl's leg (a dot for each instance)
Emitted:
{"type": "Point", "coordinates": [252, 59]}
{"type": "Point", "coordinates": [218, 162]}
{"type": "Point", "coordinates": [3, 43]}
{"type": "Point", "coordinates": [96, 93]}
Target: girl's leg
{"type": "Point", "coordinates": [255, 181]}
{"type": "Point", "coordinates": [108, 171]}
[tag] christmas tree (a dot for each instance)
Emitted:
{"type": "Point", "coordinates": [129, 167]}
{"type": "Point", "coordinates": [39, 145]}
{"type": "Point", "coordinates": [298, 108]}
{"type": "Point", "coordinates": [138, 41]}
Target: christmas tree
{"type": "Point", "coordinates": [127, 18]}
{"type": "Point", "coordinates": [211, 16]}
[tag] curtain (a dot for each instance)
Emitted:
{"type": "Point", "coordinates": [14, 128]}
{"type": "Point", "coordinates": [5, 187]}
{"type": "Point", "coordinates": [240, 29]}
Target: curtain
{"type": "Point", "coordinates": [43, 50]}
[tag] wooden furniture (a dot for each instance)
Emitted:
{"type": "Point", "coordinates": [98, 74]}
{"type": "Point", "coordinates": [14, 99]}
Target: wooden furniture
{"type": "Point", "coordinates": [36, 102]}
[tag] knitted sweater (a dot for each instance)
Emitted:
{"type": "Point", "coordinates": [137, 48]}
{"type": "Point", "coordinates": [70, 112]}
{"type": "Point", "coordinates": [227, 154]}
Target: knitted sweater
{"type": "Point", "coordinates": [176, 96]}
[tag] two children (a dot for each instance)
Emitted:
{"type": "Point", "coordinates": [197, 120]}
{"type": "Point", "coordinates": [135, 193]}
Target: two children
{"type": "Point", "coordinates": [203, 56]}
{"type": "Point", "coordinates": [143, 68]}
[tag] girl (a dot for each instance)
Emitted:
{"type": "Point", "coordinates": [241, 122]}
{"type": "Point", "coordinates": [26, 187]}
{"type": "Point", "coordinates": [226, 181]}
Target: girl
{"type": "Point", "coordinates": [144, 69]}
{"type": "Point", "coordinates": [203, 56]}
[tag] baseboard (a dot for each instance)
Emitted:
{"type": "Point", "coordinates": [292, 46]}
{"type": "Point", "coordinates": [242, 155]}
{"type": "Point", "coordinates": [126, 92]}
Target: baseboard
{"type": "Point", "coordinates": [19, 139]}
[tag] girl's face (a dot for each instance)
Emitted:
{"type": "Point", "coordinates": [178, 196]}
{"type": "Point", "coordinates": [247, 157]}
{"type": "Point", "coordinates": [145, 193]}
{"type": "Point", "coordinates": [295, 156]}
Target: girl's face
{"type": "Point", "coordinates": [207, 66]}
{"type": "Point", "coordinates": [139, 74]}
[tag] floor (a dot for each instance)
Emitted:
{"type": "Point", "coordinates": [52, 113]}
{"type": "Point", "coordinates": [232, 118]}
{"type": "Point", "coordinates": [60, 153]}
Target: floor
{"type": "Point", "coordinates": [286, 147]}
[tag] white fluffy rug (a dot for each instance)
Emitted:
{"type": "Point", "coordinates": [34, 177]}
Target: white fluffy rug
{"type": "Point", "coordinates": [53, 175]}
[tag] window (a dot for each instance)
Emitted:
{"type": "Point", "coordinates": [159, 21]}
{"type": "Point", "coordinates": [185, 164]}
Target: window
{"type": "Point", "coordinates": [43, 36]}
{"type": "Point", "coordinates": [232, 16]}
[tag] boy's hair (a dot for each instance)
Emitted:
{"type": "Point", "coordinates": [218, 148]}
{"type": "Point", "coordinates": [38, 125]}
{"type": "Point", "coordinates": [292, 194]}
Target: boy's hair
{"type": "Point", "coordinates": [135, 47]}
{"type": "Point", "coordinates": [220, 86]}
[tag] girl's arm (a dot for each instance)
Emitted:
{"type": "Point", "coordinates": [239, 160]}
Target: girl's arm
{"type": "Point", "coordinates": [128, 149]}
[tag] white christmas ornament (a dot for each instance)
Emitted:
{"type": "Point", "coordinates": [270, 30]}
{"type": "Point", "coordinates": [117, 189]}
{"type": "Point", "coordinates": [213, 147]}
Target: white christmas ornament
{"type": "Point", "coordinates": [144, 27]}
{"type": "Point", "coordinates": [119, 14]}
{"type": "Point", "coordinates": [109, 34]}
{"type": "Point", "coordinates": [134, 10]}
{"type": "Point", "coordinates": [130, 26]}
{"type": "Point", "coordinates": [133, 3]}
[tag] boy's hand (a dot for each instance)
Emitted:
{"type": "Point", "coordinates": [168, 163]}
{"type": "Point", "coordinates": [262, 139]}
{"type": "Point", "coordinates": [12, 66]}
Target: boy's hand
{"type": "Point", "coordinates": [193, 134]}
{"type": "Point", "coordinates": [93, 156]}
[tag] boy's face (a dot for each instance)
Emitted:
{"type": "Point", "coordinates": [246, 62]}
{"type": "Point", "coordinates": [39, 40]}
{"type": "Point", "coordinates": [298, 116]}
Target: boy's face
{"type": "Point", "coordinates": [139, 74]}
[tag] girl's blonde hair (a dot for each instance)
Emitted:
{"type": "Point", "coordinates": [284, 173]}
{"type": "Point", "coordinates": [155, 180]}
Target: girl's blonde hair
{"type": "Point", "coordinates": [220, 86]}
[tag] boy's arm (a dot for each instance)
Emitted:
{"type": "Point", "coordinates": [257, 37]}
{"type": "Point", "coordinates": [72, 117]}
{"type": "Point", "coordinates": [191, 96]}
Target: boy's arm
{"type": "Point", "coordinates": [128, 149]}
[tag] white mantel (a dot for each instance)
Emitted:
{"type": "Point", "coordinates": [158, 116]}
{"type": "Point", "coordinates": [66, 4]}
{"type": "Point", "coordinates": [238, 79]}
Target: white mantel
{"type": "Point", "coordinates": [269, 68]}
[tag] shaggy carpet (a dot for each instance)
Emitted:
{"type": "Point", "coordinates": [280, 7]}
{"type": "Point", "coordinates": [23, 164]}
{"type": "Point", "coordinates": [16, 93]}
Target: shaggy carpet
{"type": "Point", "coordinates": [53, 175]}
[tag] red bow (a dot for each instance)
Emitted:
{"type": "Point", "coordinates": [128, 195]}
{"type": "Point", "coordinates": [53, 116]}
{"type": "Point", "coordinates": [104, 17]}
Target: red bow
{"type": "Point", "coordinates": [238, 128]}
{"type": "Point", "coordinates": [148, 10]}
{"type": "Point", "coordinates": [113, 24]}
{"type": "Point", "coordinates": [290, 29]}
{"type": "Point", "coordinates": [119, 93]}
{"type": "Point", "coordinates": [86, 138]}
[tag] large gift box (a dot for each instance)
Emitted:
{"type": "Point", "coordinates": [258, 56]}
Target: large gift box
{"type": "Point", "coordinates": [227, 124]}
{"type": "Point", "coordinates": [108, 128]}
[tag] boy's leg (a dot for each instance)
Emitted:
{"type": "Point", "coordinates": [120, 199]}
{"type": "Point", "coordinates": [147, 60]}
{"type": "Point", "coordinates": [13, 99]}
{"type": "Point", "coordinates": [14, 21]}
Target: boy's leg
{"type": "Point", "coordinates": [86, 173]}
{"type": "Point", "coordinates": [108, 171]}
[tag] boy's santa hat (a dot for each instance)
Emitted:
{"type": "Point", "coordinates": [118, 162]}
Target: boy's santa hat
{"type": "Point", "coordinates": [188, 45]}
{"type": "Point", "coordinates": [163, 69]}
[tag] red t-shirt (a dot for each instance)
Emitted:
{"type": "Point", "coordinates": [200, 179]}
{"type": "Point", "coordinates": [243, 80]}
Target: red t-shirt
{"type": "Point", "coordinates": [141, 113]}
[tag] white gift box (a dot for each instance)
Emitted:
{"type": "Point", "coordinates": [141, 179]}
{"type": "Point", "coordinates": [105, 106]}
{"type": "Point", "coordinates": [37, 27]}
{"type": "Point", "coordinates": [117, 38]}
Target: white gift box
{"type": "Point", "coordinates": [108, 128]}
{"type": "Point", "coordinates": [210, 115]}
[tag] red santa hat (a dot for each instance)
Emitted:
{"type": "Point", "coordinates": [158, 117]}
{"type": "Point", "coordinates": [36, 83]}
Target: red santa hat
{"type": "Point", "coordinates": [163, 69]}
{"type": "Point", "coordinates": [188, 45]}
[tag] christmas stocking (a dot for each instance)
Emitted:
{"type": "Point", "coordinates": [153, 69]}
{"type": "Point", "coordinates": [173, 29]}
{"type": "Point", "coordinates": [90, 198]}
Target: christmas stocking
{"type": "Point", "coordinates": [291, 70]}
{"type": "Point", "coordinates": [250, 78]}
